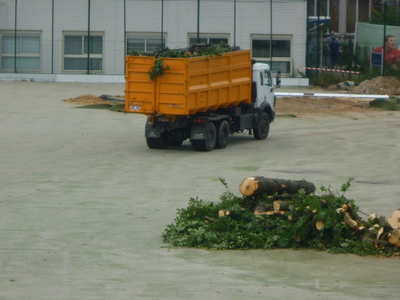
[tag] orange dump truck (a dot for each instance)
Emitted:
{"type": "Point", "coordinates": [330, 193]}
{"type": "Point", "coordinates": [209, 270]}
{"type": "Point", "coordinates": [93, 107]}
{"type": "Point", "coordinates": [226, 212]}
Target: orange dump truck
{"type": "Point", "coordinates": [204, 99]}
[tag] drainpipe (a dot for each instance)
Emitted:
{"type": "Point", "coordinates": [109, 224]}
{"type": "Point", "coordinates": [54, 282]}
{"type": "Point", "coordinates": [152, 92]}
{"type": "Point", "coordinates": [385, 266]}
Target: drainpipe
{"type": "Point", "coordinates": [52, 36]}
{"type": "Point", "coordinates": [198, 21]}
{"type": "Point", "coordinates": [88, 45]}
{"type": "Point", "coordinates": [15, 36]}
{"type": "Point", "coordinates": [234, 23]}
{"type": "Point", "coordinates": [162, 24]}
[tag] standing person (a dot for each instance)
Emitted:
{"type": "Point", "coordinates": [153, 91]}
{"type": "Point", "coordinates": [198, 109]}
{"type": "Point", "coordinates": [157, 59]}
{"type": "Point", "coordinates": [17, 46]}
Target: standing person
{"type": "Point", "coordinates": [392, 54]}
{"type": "Point", "coordinates": [335, 48]}
{"type": "Point", "coordinates": [327, 42]}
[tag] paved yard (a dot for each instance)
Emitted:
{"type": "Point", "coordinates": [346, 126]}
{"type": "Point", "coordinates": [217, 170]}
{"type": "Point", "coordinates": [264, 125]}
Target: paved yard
{"type": "Point", "coordinates": [83, 202]}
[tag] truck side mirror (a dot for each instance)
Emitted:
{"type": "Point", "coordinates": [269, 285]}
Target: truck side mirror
{"type": "Point", "coordinates": [278, 79]}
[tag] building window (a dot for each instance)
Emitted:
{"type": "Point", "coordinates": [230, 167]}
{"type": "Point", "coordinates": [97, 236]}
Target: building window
{"type": "Point", "coordinates": [144, 42]}
{"type": "Point", "coordinates": [23, 49]}
{"type": "Point", "coordinates": [76, 52]}
{"type": "Point", "coordinates": [281, 52]}
{"type": "Point", "coordinates": [212, 38]}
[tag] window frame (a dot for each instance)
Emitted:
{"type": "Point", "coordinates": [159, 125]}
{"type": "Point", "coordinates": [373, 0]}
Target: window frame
{"type": "Point", "coordinates": [145, 36]}
{"type": "Point", "coordinates": [280, 37]}
{"type": "Point", "coordinates": [83, 35]}
{"type": "Point", "coordinates": [20, 35]}
{"type": "Point", "coordinates": [208, 36]}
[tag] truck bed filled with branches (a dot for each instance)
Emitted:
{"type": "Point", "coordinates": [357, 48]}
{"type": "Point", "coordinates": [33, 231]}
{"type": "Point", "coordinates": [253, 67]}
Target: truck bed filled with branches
{"type": "Point", "coordinates": [276, 213]}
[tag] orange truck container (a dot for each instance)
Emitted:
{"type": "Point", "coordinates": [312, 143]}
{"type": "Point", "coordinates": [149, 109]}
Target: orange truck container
{"type": "Point", "coordinates": [204, 99]}
{"type": "Point", "coordinates": [189, 85]}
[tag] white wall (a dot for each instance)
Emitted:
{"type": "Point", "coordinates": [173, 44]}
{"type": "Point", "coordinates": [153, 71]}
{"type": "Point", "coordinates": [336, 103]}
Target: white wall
{"type": "Point", "coordinates": [180, 17]}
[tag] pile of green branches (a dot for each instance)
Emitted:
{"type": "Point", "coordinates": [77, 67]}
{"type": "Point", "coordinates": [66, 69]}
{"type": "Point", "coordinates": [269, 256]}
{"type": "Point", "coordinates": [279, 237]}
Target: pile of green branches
{"type": "Point", "coordinates": [192, 51]}
{"type": "Point", "coordinates": [200, 226]}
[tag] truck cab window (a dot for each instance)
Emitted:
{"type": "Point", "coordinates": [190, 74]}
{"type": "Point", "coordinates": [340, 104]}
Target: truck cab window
{"type": "Point", "coordinates": [267, 78]}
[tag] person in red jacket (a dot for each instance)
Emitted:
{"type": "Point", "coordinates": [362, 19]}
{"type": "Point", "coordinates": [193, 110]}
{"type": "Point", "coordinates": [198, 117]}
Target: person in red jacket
{"type": "Point", "coordinates": [392, 54]}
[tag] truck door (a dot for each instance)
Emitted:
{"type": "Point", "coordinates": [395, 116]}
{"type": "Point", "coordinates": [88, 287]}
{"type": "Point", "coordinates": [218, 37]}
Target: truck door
{"type": "Point", "coordinates": [268, 88]}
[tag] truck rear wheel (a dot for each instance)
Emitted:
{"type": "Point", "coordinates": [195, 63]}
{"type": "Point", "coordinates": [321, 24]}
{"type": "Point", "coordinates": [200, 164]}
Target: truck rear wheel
{"type": "Point", "coordinates": [210, 139]}
{"type": "Point", "coordinates": [224, 131]}
{"type": "Point", "coordinates": [158, 143]}
{"type": "Point", "coordinates": [262, 127]}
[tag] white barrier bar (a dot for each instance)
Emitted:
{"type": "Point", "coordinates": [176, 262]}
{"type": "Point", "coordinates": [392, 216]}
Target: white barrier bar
{"type": "Point", "coordinates": [288, 94]}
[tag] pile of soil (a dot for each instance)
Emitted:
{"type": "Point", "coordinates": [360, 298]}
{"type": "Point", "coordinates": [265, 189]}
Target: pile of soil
{"type": "Point", "coordinates": [379, 85]}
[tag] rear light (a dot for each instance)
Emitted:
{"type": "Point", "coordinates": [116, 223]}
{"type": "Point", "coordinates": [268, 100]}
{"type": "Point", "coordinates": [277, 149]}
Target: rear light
{"type": "Point", "coordinates": [199, 120]}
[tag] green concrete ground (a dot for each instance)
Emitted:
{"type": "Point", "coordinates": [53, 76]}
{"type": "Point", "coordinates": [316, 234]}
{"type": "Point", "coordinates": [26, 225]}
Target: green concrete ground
{"type": "Point", "coordinates": [83, 203]}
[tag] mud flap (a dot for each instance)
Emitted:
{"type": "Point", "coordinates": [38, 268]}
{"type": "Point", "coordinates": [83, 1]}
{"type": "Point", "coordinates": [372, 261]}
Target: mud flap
{"type": "Point", "coordinates": [152, 131]}
{"type": "Point", "coordinates": [198, 131]}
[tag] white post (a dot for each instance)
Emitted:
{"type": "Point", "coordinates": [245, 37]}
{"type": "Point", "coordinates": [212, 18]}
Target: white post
{"type": "Point", "coordinates": [342, 16]}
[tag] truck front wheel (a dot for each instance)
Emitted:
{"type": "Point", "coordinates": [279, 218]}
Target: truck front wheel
{"type": "Point", "coordinates": [261, 129]}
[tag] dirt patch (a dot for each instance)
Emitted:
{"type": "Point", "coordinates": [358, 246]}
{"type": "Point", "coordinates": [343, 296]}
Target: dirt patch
{"type": "Point", "coordinates": [91, 100]}
{"type": "Point", "coordinates": [316, 106]}
{"type": "Point", "coordinates": [322, 107]}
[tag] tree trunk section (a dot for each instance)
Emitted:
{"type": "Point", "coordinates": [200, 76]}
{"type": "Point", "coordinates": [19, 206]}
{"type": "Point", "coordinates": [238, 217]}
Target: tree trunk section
{"type": "Point", "coordinates": [281, 205]}
{"type": "Point", "coordinates": [253, 186]}
{"type": "Point", "coordinates": [394, 220]}
{"type": "Point", "coordinates": [319, 225]}
{"type": "Point", "coordinates": [394, 237]}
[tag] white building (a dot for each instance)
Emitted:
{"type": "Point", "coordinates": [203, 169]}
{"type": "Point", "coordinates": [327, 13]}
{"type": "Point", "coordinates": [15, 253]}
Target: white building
{"type": "Point", "coordinates": [50, 36]}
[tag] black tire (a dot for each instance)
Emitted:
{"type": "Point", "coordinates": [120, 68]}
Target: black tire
{"type": "Point", "coordinates": [223, 131]}
{"type": "Point", "coordinates": [158, 143]}
{"type": "Point", "coordinates": [261, 129]}
{"type": "Point", "coordinates": [208, 144]}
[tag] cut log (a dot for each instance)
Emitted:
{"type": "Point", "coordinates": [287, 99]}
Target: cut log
{"type": "Point", "coordinates": [373, 217]}
{"type": "Point", "coordinates": [297, 238]}
{"type": "Point", "coordinates": [261, 206]}
{"type": "Point", "coordinates": [281, 205]}
{"type": "Point", "coordinates": [252, 186]}
{"type": "Point", "coordinates": [394, 220]}
{"type": "Point", "coordinates": [223, 212]}
{"type": "Point", "coordinates": [380, 231]}
{"type": "Point", "coordinates": [281, 197]}
{"type": "Point", "coordinates": [319, 225]}
{"type": "Point", "coordinates": [350, 222]}
{"type": "Point", "coordinates": [208, 219]}
{"type": "Point", "coordinates": [373, 227]}
{"type": "Point", "coordinates": [394, 237]}
{"type": "Point", "coordinates": [270, 213]}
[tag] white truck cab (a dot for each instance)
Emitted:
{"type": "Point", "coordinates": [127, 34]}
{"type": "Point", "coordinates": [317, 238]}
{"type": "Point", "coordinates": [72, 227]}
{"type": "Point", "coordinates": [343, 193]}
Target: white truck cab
{"type": "Point", "coordinates": [265, 89]}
